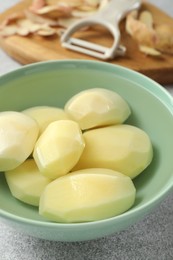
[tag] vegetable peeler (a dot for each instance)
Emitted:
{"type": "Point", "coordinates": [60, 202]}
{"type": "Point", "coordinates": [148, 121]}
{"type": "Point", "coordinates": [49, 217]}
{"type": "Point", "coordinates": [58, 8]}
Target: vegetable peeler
{"type": "Point", "coordinates": [109, 17]}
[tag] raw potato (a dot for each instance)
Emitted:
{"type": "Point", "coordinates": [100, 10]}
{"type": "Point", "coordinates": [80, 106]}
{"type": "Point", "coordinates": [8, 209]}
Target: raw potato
{"type": "Point", "coordinates": [123, 148]}
{"type": "Point", "coordinates": [88, 195]}
{"type": "Point", "coordinates": [44, 115]}
{"type": "Point", "coordinates": [97, 107]}
{"type": "Point", "coordinates": [26, 183]}
{"type": "Point", "coordinates": [59, 148]}
{"type": "Point", "coordinates": [18, 134]}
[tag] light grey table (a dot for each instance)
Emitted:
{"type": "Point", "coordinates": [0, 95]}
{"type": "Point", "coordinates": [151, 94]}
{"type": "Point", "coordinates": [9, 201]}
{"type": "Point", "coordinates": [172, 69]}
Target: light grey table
{"type": "Point", "coordinates": [149, 239]}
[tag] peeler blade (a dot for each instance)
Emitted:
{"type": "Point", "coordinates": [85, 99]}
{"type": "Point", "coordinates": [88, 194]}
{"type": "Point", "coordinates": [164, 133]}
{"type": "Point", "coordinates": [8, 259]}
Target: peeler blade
{"type": "Point", "coordinates": [92, 49]}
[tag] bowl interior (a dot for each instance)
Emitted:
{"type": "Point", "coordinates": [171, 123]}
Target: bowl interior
{"type": "Point", "coordinates": [53, 83]}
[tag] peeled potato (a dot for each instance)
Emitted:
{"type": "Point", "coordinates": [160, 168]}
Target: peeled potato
{"type": "Point", "coordinates": [97, 107]}
{"type": "Point", "coordinates": [59, 148]}
{"type": "Point", "coordinates": [123, 148]}
{"type": "Point", "coordinates": [88, 195]}
{"type": "Point", "coordinates": [18, 134]}
{"type": "Point", "coordinates": [44, 115]}
{"type": "Point", "coordinates": [26, 183]}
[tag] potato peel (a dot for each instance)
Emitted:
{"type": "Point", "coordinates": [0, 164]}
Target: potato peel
{"type": "Point", "coordinates": [42, 16]}
{"type": "Point", "coordinates": [66, 22]}
{"type": "Point", "coordinates": [8, 31]}
{"type": "Point", "coordinates": [31, 26]}
{"type": "Point", "coordinates": [39, 19]}
{"type": "Point", "coordinates": [46, 31]}
{"type": "Point", "coordinates": [146, 18]}
{"type": "Point", "coordinates": [139, 31]}
{"type": "Point", "coordinates": [152, 39]}
{"type": "Point", "coordinates": [149, 51]}
{"type": "Point", "coordinates": [55, 12]}
{"type": "Point", "coordinates": [11, 19]}
{"type": "Point", "coordinates": [165, 38]}
{"type": "Point", "coordinates": [37, 4]}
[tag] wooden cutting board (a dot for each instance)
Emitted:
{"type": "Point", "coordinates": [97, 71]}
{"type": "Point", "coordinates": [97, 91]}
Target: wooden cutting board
{"type": "Point", "coordinates": [32, 49]}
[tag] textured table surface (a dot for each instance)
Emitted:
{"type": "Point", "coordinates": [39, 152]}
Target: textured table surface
{"type": "Point", "coordinates": [149, 239]}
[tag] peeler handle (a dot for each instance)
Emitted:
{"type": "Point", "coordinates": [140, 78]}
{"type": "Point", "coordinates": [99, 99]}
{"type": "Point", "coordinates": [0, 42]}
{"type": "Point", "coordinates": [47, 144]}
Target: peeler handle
{"type": "Point", "coordinates": [117, 10]}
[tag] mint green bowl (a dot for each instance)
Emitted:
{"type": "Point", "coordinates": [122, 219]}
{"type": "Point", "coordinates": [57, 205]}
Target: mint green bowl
{"type": "Point", "coordinates": [53, 83]}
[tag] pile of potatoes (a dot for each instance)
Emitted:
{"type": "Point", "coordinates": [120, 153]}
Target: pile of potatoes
{"type": "Point", "coordinates": [76, 164]}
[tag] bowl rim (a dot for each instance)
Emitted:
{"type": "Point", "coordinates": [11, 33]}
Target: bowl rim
{"type": "Point", "coordinates": [153, 87]}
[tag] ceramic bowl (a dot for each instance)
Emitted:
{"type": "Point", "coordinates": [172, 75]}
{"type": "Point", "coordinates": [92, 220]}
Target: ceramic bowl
{"type": "Point", "coordinates": [53, 83]}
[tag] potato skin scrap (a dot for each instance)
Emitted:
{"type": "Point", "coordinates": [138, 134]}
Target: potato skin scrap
{"type": "Point", "coordinates": [140, 31]}
{"type": "Point", "coordinates": [50, 13]}
{"type": "Point", "coordinates": [164, 38]}
{"type": "Point", "coordinates": [36, 5]}
{"type": "Point", "coordinates": [149, 51]}
{"type": "Point", "coordinates": [54, 12]}
{"type": "Point", "coordinates": [146, 18]}
{"type": "Point", "coordinates": [156, 39]}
